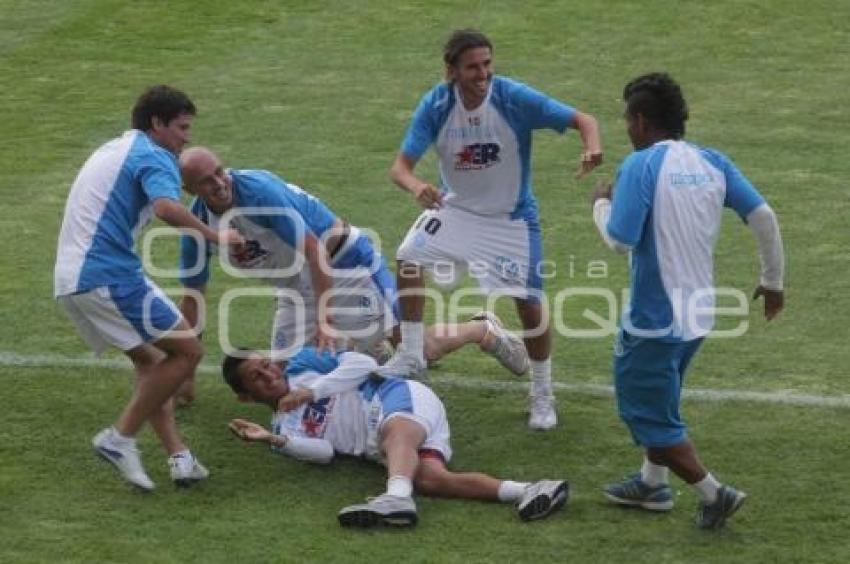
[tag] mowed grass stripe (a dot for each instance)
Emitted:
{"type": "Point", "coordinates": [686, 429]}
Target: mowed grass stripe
{"type": "Point", "coordinates": [457, 380]}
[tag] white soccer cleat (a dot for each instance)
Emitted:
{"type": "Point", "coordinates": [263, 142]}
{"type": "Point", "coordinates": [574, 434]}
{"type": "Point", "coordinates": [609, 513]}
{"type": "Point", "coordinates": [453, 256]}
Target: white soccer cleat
{"type": "Point", "coordinates": [504, 346]}
{"type": "Point", "coordinates": [124, 456]}
{"type": "Point", "coordinates": [404, 364]}
{"type": "Point", "coordinates": [542, 498]}
{"type": "Point", "coordinates": [385, 509]}
{"type": "Point", "coordinates": [186, 470]}
{"type": "Point", "coordinates": [542, 415]}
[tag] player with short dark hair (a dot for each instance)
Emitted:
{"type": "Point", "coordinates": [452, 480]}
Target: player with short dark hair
{"type": "Point", "coordinates": [667, 208]}
{"type": "Point", "coordinates": [484, 216]}
{"type": "Point", "coordinates": [161, 102]}
{"type": "Point", "coordinates": [327, 404]}
{"type": "Point", "coordinates": [100, 281]}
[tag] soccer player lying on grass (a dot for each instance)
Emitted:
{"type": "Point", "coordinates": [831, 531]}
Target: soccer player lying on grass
{"type": "Point", "coordinates": [328, 403]}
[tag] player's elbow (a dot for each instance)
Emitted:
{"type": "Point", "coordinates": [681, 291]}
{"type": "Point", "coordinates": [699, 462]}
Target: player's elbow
{"type": "Point", "coordinates": [163, 208]}
{"type": "Point", "coordinates": [402, 167]}
{"type": "Point", "coordinates": [323, 456]}
{"type": "Point", "coordinates": [618, 247]}
{"type": "Point", "coordinates": [585, 122]}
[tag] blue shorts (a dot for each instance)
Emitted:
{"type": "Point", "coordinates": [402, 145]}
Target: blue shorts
{"type": "Point", "coordinates": [648, 376]}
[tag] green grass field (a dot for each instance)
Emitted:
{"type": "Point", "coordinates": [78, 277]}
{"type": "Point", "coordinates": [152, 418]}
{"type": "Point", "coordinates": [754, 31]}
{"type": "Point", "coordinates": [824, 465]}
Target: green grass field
{"type": "Point", "coordinates": [321, 92]}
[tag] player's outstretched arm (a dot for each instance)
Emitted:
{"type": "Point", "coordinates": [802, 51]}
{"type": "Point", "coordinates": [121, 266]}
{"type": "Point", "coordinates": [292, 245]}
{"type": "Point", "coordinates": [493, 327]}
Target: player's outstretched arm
{"type": "Point", "coordinates": [173, 213]}
{"type": "Point", "coordinates": [591, 156]}
{"type": "Point", "coordinates": [426, 194]}
{"type": "Point", "coordinates": [249, 431]}
{"type": "Point", "coordinates": [318, 451]}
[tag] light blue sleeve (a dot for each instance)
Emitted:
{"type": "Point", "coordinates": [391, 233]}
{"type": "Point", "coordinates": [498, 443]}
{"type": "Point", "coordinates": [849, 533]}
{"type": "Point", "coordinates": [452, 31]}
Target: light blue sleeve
{"type": "Point", "coordinates": [191, 252]}
{"type": "Point", "coordinates": [268, 191]}
{"type": "Point", "coordinates": [159, 175]}
{"type": "Point", "coordinates": [632, 200]}
{"type": "Point", "coordinates": [423, 128]}
{"type": "Point", "coordinates": [540, 111]}
{"type": "Point", "coordinates": [741, 195]}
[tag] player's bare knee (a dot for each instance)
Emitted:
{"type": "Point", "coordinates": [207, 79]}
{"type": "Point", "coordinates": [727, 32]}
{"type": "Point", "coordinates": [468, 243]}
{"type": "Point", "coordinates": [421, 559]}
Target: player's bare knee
{"type": "Point", "coordinates": [189, 351]}
{"type": "Point", "coordinates": [426, 485]}
{"type": "Point", "coordinates": [400, 431]}
{"type": "Point", "coordinates": [432, 479]}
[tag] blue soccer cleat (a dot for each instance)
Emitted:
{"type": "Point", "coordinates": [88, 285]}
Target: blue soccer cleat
{"type": "Point", "coordinates": [634, 492]}
{"type": "Point", "coordinates": [714, 515]}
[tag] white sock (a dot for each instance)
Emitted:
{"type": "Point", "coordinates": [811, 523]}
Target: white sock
{"type": "Point", "coordinates": [541, 377]}
{"type": "Point", "coordinates": [399, 486]}
{"type": "Point", "coordinates": [511, 492]}
{"type": "Point", "coordinates": [413, 338]}
{"type": "Point", "coordinates": [707, 488]}
{"type": "Point", "coordinates": [654, 474]}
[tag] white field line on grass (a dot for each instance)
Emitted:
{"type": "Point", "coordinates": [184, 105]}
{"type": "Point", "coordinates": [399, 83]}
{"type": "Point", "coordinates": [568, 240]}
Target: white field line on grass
{"type": "Point", "coordinates": [12, 359]}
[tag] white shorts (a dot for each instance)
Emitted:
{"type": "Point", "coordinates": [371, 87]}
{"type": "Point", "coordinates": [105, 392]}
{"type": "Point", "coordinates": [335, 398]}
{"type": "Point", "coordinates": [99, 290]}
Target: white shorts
{"type": "Point", "coordinates": [363, 312]}
{"type": "Point", "coordinates": [122, 315]}
{"type": "Point", "coordinates": [414, 401]}
{"type": "Point", "coordinates": [501, 253]}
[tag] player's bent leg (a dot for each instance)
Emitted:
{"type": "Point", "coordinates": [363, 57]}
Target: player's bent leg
{"type": "Point", "coordinates": [161, 380]}
{"type": "Point", "coordinates": [145, 358]}
{"type": "Point", "coordinates": [434, 479]}
{"type": "Point", "coordinates": [532, 500]}
{"type": "Point", "coordinates": [542, 415]}
{"type": "Point", "coordinates": [444, 338]}
{"type": "Point", "coordinates": [400, 440]}
{"type": "Point", "coordinates": [184, 468]}
{"type": "Point", "coordinates": [502, 345]}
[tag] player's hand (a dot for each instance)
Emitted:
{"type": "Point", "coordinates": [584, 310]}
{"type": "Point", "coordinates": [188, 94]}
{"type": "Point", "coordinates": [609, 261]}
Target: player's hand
{"type": "Point", "coordinates": [428, 196]}
{"type": "Point", "coordinates": [774, 301]}
{"type": "Point", "coordinates": [248, 431]}
{"type": "Point", "coordinates": [230, 238]}
{"type": "Point", "coordinates": [590, 159]}
{"type": "Point", "coordinates": [294, 399]}
{"type": "Point", "coordinates": [603, 189]}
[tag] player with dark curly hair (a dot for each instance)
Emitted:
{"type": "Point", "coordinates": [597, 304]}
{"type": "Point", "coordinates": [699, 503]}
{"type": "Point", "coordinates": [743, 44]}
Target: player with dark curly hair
{"type": "Point", "coordinates": [667, 205]}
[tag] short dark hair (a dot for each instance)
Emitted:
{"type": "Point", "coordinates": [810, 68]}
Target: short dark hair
{"type": "Point", "coordinates": [462, 40]}
{"type": "Point", "coordinates": [230, 370]}
{"type": "Point", "coordinates": [160, 101]}
{"type": "Point", "coordinates": [658, 98]}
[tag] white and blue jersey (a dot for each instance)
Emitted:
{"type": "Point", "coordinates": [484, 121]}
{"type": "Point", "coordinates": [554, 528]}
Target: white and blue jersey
{"type": "Point", "coordinates": [485, 153]}
{"type": "Point", "coordinates": [109, 204]}
{"type": "Point", "coordinates": [352, 403]}
{"type": "Point", "coordinates": [272, 239]}
{"type": "Point", "coordinates": [667, 206]}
